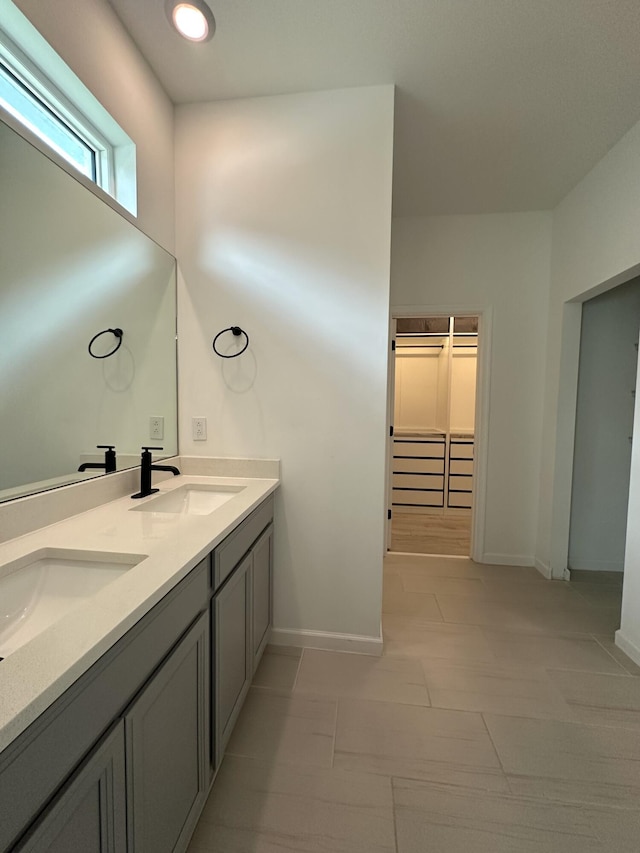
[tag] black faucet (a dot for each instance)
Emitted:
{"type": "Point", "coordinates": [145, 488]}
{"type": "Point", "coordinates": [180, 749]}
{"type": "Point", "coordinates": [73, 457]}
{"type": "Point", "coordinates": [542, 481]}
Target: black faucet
{"type": "Point", "coordinates": [109, 464]}
{"type": "Point", "coordinates": [146, 467]}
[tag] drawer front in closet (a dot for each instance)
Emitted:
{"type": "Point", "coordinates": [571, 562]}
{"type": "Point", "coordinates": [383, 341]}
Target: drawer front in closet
{"type": "Point", "coordinates": [418, 466]}
{"type": "Point", "coordinates": [461, 466]}
{"type": "Point", "coordinates": [460, 449]}
{"type": "Point", "coordinates": [419, 481]}
{"type": "Point", "coordinates": [459, 500]}
{"type": "Point", "coordinates": [409, 497]}
{"type": "Point", "coordinates": [418, 449]}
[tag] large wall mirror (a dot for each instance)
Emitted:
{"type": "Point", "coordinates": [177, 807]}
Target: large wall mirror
{"type": "Point", "coordinates": [70, 267]}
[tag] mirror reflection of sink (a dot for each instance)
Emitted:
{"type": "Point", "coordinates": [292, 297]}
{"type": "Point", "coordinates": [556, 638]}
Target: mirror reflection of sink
{"type": "Point", "coordinates": [192, 499]}
{"type": "Point", "coordinates": [40, 588]}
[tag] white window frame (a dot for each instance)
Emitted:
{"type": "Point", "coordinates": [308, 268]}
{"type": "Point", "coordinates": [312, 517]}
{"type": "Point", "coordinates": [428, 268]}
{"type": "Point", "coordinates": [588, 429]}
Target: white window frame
{"type": "Point", "coordinates": [35, 64]}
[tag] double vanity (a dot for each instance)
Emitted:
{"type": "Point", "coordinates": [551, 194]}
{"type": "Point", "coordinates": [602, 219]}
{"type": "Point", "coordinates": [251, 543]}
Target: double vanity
{"type": "Point", "coordinates": [129, 636]}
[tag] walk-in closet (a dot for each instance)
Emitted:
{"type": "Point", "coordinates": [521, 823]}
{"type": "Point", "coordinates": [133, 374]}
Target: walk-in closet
{"type": "Point", "coordinates": [433, 434]}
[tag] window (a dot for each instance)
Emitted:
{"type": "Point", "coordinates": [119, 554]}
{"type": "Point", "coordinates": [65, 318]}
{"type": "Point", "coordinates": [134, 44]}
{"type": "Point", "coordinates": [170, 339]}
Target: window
{"type": "Point", "coordinates": [25, 105]}
{"type": "Point", "coordinates": [40, 92]}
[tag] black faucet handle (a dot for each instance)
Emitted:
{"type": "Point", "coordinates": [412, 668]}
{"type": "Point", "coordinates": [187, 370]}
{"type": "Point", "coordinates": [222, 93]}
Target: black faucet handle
{"type": "Point", "coordinates": [147, 449]}
{"type": "Point", "coordinates": [106, 446]}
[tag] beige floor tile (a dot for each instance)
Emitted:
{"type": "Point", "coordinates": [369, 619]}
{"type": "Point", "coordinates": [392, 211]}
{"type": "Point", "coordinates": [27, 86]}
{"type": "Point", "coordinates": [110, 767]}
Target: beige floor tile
{"type": "Point", "coordinates": [257, 807]}
{"type": "Point", "coordinates": [572, 762]}
{"type": "Point", "coordinates": [446, 820]}
{"type": "Point", "coordinates": [599, 594]}
{"type": "Point", "coordinates": [495, 688]}
{"type": "Point", "coordinates": [452, 747]}
{"type": "Point", "coordinates": [610, 700]}
{"type": "Point", "coordinates": [417, 581]}
{"type": "Point", "coordinates": [510, 573]}
{"type": "Point", "coordinates": [523, 615]}
{"type": "Point", "coordinates": [392, 679]}
{"type": "Point", "coordinates": [282, 727]}
{"type": "Point", "coordinates": [392, 585]}
{"type": "Point", "coordinates": [550, 650]}
{"type": "Point", "coordinates": [618, 829]}
{"type": "Point", "coordinates": [608, 644]}
{"type": "Point", "coordinates": [418, 638]}
{"type": "Point", "coordinates": [547, 592]}
{"type": "Point", "coordinates": [411, 604]}
{"type": "Point", "coordinates": [583, 576]}
{"type": "Point", "coordinates": [443, 567]}
{"type": "Point", "coordinates": [276, 670]}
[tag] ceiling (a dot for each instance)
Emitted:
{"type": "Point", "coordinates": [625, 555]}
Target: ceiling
{"type": "Point", "coordinates": [501, 105]}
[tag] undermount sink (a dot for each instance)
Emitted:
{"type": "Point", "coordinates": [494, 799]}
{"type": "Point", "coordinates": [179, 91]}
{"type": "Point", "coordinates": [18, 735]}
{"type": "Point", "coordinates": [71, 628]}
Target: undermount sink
{"type": "Point", "coordinates": [190, 499]}
{"type": "Point", "coordinates": [42, 587]}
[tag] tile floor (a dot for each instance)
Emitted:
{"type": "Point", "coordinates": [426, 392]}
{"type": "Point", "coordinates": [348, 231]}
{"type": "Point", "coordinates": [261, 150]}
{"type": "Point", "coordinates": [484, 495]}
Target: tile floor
{"type": "Point", "coordinates": [500, 719]}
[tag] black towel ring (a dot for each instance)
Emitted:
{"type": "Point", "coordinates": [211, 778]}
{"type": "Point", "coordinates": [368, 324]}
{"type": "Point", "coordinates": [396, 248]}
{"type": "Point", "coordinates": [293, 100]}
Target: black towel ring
{"type": "Point", "coordinates": [237, 331]}
{"type": "Point", "coordinates": [117, 332]}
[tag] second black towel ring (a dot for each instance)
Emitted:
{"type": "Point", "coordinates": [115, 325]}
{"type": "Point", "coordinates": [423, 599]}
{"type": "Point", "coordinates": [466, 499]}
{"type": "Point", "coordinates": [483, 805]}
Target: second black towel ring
{"type": "Point", "coordinates": [117, 332]}
{"type": "Point", "coordinates": [237, 331]}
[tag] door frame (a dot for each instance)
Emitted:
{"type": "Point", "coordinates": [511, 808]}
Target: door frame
{"type": "Point", "coordinates": [481, 429]}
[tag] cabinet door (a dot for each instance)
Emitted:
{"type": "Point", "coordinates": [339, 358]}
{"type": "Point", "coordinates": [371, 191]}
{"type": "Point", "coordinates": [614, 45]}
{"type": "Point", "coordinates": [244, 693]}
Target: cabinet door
{"type": "Point", "coordinates": [233, 658]}
{"type": "Point", "coordinates": [167, 748]}
{"type": "Point", "coordinates": [261, 594]}
{"type": "Point", "coordinates": [90, 812]}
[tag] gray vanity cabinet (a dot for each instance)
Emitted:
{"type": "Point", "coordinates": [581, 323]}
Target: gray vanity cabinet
{"type": "Point", "coordinates": [90, 812]}
{"type": "Point", "coordinates": [168, 748]}
{"type": "Point", "coordinates": [232, 649]}
{"type": "Point", "coordinates": [261, 594]}
{"type": "Point", "coordinates": [242, 569]}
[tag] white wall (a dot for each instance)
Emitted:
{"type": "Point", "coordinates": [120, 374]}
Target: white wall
{"type": "Point", "coordinates": [89, 37]}
{"type": "Point", "coordinates": [628, 637]}
{"type": "Point", "coordinates": [595, 247]}
{"type": "Point", "coordinates": [283, 227]}
{"type": "Point", "coordinates": [497, 263]}
{"type": "Point", "coordinates": [604, 422]}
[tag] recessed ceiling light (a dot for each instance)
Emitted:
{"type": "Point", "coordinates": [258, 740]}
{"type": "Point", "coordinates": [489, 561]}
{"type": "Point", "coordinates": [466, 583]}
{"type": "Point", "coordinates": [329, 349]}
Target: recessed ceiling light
{"type": "Point", "coordinates": [193, 19]}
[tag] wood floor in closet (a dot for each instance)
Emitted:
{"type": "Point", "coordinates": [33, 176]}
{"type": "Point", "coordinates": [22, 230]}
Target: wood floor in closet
{"type": "Point", "coordinates": [418, 533]}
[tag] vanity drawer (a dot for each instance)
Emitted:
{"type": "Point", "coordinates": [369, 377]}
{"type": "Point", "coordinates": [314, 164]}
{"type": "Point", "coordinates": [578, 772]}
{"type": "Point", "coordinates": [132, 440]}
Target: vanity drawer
{"type": "Point", "coordinates": [229, 553]}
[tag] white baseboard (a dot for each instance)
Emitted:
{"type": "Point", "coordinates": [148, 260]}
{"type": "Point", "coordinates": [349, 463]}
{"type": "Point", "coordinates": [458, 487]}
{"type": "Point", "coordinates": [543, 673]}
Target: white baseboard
{"type": "Point", "coordinates": [630, 649]}
{"type": "Point", "coordinates": [508, 559]}
{"type": "Point", "coordinates": [327, 641]}
{"type": "Point", "coordinates": [543, 568]}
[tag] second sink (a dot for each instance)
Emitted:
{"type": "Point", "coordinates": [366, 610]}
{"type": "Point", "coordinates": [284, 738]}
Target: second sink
{"type": "Point", "coordinates": [190, 499]}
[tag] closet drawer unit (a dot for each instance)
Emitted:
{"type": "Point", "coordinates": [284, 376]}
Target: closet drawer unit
{"type": "Point", "coordinates": [408, 497]}
{"type": "Point", "coordinates": [461, 450]}
{"type": "Point", "coordinates": [460, 466]}
{"type": "Point", "coordinates": [418, 481]}
{"type": "Point", "coordinates": [419, 449]}
{"type": "Point", "coordinates": [460, 500]}
{"type": "Point", "coordinates": [418, 466]}
{"type": "Point", "coordinates": [460, 484]}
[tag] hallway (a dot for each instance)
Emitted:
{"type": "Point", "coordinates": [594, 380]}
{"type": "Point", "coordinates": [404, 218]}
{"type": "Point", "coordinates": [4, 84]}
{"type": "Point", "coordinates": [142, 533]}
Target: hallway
{"type": "Point", "coordinates": [500, 719]}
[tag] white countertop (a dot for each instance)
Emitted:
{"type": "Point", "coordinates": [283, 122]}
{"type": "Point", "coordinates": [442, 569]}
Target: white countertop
{"type": "Point", "coordinates": [35, 675]}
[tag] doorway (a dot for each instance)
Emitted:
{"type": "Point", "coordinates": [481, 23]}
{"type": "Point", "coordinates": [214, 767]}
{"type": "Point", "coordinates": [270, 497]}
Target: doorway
{"type": "Point", "coordinates": [603, 430]}
{"type": "Point", "coordinates": [434, 379]}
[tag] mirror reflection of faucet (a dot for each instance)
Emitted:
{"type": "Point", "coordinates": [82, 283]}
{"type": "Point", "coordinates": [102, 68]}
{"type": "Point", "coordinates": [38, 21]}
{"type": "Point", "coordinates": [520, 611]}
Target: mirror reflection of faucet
{"type": "Point", "coordinates": [109, 464]}
{"type": "Point", "coordinates": [146, 467]}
